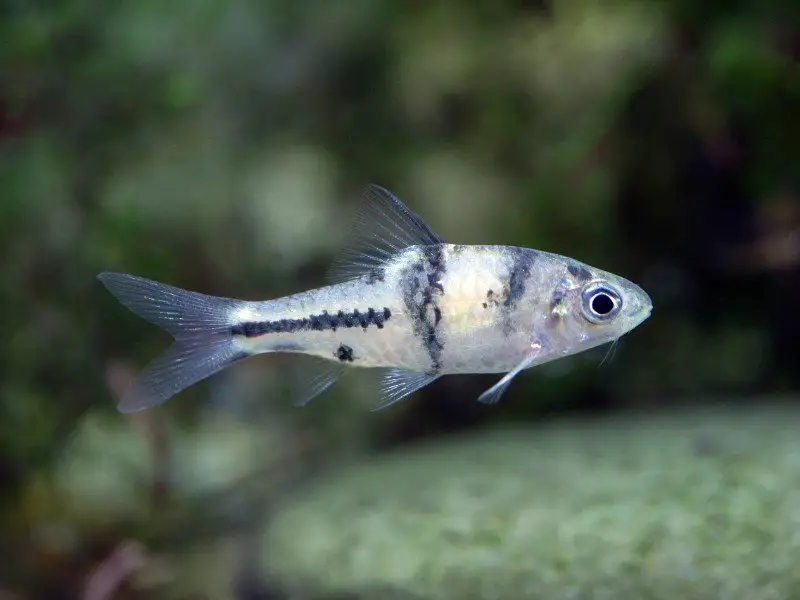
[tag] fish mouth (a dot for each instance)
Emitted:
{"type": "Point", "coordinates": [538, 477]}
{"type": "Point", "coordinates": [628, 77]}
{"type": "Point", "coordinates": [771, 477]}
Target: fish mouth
{"type": "Point", "coordinates": [640, 314]}
{"type": "Point", "coordinates": [645, 306]}
{"type": "Point", "coordinates": [643, 315]}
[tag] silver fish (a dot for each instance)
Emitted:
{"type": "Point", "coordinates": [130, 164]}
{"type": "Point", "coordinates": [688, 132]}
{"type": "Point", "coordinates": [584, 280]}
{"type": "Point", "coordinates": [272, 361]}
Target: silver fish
{"type": "Point", "coordinates": [403, 300]}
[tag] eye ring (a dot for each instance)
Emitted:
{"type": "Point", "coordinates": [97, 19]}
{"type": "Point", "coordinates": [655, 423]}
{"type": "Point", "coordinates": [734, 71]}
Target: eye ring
{"type": "Point", "coordinates": [600, 303]}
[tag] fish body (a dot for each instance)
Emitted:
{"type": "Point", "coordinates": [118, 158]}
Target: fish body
{"type": "Point", "coordinates": [402, 300]}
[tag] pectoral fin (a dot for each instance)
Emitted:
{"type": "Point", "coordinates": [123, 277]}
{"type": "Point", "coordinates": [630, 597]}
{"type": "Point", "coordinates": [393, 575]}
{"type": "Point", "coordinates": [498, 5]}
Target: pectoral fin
{"type": "Point", "coordinates": [494, 393]}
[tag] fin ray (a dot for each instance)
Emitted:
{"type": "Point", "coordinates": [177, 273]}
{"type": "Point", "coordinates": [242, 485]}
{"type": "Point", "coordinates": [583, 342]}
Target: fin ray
{"type": "Point", "coordinates": [312, 376]}
{"type": "Point", "coordinates": [384, 227]}
{"type": "Point", "coordinates": [494, 393]}
{"type": "Point", "coordinates": [538, 349]}
{"type": "Point", "coordinates": [397, 384]}
{"type": "Point", "coordinates": [199, 324]}
{"type": "Point", "coordinates": [181, 365]}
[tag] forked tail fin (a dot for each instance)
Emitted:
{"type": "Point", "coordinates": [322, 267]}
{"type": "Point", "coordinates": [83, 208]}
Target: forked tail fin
{"type": "Point", "coordinates": [200, 324]}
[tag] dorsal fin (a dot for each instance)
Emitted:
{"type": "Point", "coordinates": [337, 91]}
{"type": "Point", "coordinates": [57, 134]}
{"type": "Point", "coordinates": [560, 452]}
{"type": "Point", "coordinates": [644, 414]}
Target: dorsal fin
{"type": "Point", "coordinates": [384, 227]}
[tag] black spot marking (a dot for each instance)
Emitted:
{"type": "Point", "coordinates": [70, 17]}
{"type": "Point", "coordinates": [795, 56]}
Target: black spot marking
{"type": "Point", "coordinates": [376, 275]}
{"type": "Point", "coordinates": [492, 299]}
{"type": "Point", "coordinates": [321, 322]}
{"type": "Point", "coordinates": [344, 353]}
{"type": "Point", "coordinates": [555, 315]}
{"type": "Point", "coordinates": [421, 285]}
{"type": "Point", "coordinates": [458, 248]}
{"type": "Point", "coordinates": [556, 300]}
{"type": "Point", "coordinates": [579, 272]}
{"type": "Point", "coordinates": [518, 275]}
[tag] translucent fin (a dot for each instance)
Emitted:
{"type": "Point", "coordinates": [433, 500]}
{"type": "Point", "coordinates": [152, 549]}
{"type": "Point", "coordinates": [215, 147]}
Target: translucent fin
{"type": "Point", "coordinates": [611, 352]}
{"type": "Point", "coordinates": [384, 227]}
{"type": "Point", "coordinates": [313, 376]}
{"type": "Point", "coordinates": [200, 325]}
{"type": "Point", "coordinates": [303, 379]}
{"type": "Point", "coordinates": [239, 392]}
{"type": "Point", "coordinates": [494, 393]}
{"type": "Point", "coordinates": [397, 384]}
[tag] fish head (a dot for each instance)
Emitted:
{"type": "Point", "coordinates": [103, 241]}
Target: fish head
{"type": "Point", "coordinates": [589, 307]}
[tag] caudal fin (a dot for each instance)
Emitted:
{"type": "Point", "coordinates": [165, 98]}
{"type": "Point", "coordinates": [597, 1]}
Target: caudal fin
{"type": "Point", "coordinates": [200, 324]}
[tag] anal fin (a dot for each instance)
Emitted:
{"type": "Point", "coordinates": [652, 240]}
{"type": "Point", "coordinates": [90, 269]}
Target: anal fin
{"type": "Point", "coordinates": [311, 376]}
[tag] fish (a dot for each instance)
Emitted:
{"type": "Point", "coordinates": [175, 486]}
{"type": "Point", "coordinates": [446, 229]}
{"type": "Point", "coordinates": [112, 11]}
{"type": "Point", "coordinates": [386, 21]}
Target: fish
{"type": "Point", "coordinates": [400, 299]}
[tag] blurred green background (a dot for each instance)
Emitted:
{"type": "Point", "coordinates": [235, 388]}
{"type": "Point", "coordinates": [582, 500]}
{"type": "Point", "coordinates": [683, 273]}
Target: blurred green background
{"type": "Point", "coordinates": [222, 146]}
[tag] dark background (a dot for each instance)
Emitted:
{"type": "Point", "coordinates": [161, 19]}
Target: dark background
{"type": "Point", "coordinates": [221, 147]}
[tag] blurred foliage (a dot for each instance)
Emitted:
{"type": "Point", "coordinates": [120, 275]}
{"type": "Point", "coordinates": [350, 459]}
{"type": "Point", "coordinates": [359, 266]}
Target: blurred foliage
{"type": "Point", "coordinates": [221, 146]}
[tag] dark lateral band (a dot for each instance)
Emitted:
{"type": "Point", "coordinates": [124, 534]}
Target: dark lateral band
{"type": "Point", "coordinates": [580, 272]}
{"type": "Point", "coordinates": [518, 275]}
{"type": "Point", "coordinates": [322, 322]}
{"type": "Point", "coordinates": [421, 285]}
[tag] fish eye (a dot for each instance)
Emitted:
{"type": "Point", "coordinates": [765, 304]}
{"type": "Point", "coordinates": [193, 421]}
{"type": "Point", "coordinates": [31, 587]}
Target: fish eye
{"type": "Point", "coordinates": [600, 303]}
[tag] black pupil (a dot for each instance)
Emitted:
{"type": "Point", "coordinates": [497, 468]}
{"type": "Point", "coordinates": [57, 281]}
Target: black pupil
{"type": "Point", "coordinates": [602, 304]}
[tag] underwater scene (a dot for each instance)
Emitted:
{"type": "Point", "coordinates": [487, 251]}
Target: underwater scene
{"type": "Point", "coordinates": [379, 300]}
